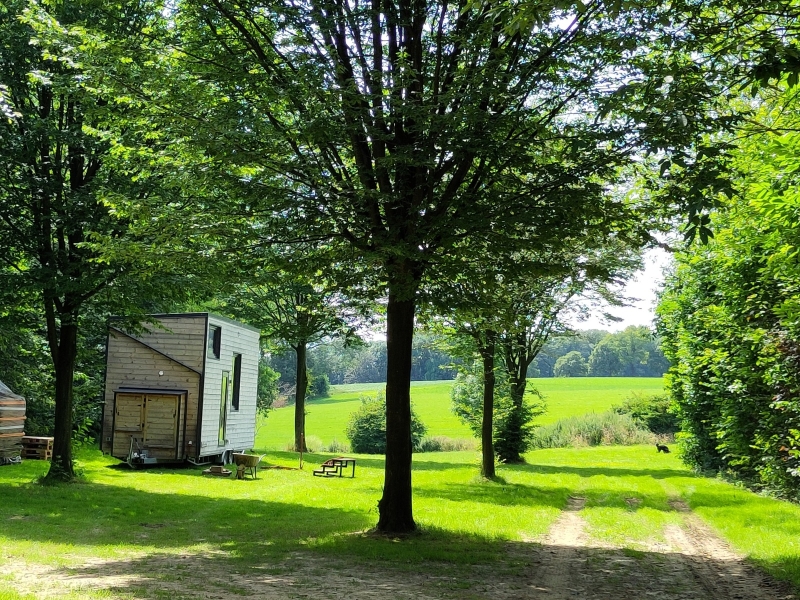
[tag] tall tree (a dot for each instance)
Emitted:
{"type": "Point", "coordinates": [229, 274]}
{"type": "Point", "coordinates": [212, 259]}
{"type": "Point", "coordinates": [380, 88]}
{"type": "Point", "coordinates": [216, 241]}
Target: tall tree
{"type": "Point", "coordinates": [511, 305]}
{"type": "Point", "coordinates": [399, 130]}
{"type": "Point", "coordinates": [532, 311]}
{"type": "Point", "coordinates": [63, 162]}
{"type": "Point", "coordinates": [291, 307]}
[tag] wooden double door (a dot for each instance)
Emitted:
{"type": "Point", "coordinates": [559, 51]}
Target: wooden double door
{"type": "Point", "coordinates": [152, 419]}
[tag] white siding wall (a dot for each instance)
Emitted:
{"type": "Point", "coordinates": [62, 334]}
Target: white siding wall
{"type": "Point", "coordinates": [241, 424]}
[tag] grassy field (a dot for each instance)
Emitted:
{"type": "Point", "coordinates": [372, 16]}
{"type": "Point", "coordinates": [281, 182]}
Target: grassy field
{"type": "Point", "coordinates": [136, 522]}
{"type": "Point", "coordinates": [327, 418]}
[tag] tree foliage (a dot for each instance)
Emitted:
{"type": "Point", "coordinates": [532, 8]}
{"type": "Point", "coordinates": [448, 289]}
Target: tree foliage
{"type": "Point", "coordinates": [290, 307]}
{"type": "Point", "coordinates": [83, 207]}
{"type": "Point", "coordinates": [414, 136]}
{"type": "Point", "coordinates": [411, 140]}
{"type": "Point", "coordinates": [729, 317]}
{"type": "Point", "coordinates": [572, 364]}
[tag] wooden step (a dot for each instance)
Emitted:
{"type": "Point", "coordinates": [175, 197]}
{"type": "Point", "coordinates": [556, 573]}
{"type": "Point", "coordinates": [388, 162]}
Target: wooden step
{"type": "Point", "coordinates": [323, 473]}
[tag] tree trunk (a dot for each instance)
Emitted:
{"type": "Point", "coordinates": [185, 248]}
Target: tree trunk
{"type": "Point", "coordinates": [61, 467]}
{"type": "Point", "coordinates": [516, 367]}
{"type": "Point", "coordinates": [487, 350]}
{"type": "Point", "coordinates": [517, 391]}
{"type": "Point", "coordinates": [301, 384]}
{"type": "Point", "coordinates": [395, 508]}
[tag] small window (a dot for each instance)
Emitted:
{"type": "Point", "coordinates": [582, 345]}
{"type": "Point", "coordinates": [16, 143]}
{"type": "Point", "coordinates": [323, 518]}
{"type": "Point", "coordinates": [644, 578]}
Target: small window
{"type": "Point", "coordinates": [214, 340]}
{"type": "Point", "coordinates": [237, 380]}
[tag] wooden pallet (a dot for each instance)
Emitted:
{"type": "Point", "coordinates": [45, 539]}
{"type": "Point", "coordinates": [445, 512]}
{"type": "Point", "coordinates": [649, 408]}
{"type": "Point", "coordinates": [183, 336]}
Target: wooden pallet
{"type": "Point", "coordinates": [37, 448]}
{"type": "Point", "coordinates": [33, 454]}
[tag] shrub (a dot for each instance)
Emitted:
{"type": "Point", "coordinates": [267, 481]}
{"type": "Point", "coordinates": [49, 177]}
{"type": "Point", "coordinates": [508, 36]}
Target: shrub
{"type": "Point", "coordinates": [441, 443]}
{"type": "Point", "coordinates": [338, 447]}
{"type": "Point", "coordinates": [268, 392]}
{"type": "Point", "coordinates": [514, 429]}
{"type": "Point", "coordinates": [319, 386]}
{"type": "Point", "coordinates": [593, 429]}
{"type": "Point", "coordinates": [467, 396]}
{"type": "Point", "coordinates": [652, 412]}
{"type": "Point", "coordinates": [367, 427]}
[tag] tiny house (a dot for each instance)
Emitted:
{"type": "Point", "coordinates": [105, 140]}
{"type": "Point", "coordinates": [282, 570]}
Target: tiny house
{"type": "Point", "coordinates": [180, 389]}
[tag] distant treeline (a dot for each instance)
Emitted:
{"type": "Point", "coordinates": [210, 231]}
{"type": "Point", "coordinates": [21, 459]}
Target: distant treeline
{"type": "Point", "coordinates": [633, 352]}
{"type": "Point", "coordinates": [366, 363]}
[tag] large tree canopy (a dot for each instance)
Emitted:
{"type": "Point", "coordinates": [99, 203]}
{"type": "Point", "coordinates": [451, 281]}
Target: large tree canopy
{"type": "Point", "coordinates": [413, 137]}
{"type": "Point", "coordinates": [399, 130]}
{"type": "Point", "coordinates": [65, 157]}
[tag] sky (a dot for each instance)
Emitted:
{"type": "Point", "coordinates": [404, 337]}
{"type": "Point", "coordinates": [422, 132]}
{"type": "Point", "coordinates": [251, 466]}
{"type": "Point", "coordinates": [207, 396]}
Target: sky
{"type": "Point", "coordinates": [644, 287]}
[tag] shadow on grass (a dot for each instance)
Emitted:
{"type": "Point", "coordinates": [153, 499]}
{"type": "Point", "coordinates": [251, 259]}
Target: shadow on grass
{"type": "Point", "coordinates": [594, 471]}
{"type": "Point", "coordinates": [88, 514]}
{"type": "Point", "coordinates": [421, 464]}
{"type": "Point", "coordinates": [498, 494]}
{"type": "Point", "coordinates": [375, 461]}
{"type": "Point", "coordinates": [433, 565]}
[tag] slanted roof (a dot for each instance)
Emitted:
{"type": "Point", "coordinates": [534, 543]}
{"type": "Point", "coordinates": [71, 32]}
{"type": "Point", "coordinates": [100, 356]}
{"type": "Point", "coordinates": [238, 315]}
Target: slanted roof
{"type": "Point", "coordinates": [162, 316]}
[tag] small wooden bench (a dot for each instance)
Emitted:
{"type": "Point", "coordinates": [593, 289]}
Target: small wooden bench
{"type": "Point", "coordinates": [335, 467]}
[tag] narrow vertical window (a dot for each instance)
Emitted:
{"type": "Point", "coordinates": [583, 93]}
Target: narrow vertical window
{"type": "Point", "coordinates": [214, 340]}
{"type": "Point", "coordinates": [223, 408]}
{"type": "Point", "coordinates": [237, 380]}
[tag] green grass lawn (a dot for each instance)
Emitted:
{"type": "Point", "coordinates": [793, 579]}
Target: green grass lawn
{"type": "Point", "coordinates": [130, 518]}
{"type": "Point", "coordinates": [327, 418]}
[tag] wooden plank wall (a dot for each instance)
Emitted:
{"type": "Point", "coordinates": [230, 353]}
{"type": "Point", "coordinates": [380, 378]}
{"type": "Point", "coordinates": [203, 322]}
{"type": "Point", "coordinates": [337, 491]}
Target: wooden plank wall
{"type": "Point", "coordinates": [242, 423]}
{"type": "Point", "coordinates": [183, 339]}
{"type": "Point", "coordinates": [129, 413]}
{"type": "Point", "coordinates": [130, 364]}
{"type": "Point", "coordinates": [161, 429]}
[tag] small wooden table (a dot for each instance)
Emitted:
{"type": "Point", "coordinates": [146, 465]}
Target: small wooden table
{"type": "Point", "coordinates": [336, 466]}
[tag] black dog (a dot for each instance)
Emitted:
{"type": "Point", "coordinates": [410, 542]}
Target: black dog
{"type": "Point", "coordinates": [662, 448]}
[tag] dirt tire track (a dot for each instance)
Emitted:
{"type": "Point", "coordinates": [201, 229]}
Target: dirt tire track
{"type": "Point", "coordinates": [559, 554]}
{"type": "Point", "coordinates": [696, 565]}
{"type": "Point", "coordinates": [715, 565]}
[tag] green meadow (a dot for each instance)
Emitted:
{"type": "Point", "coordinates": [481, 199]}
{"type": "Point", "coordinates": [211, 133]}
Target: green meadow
{"type": "Point", "coordinates": [326, 419]}
{"type": "Point", "coordinates": [157, 527]}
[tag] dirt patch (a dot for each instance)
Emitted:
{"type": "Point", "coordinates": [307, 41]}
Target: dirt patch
{"type": "Point", "coordinates": [693, 564]}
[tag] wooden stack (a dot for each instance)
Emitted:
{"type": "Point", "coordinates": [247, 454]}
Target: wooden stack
{"type": "Point", "coordinates": [12, 423]}
{"type": "Point", "coordinates": [217, 471]}
{"type": "Point", "coordinates": [37, 448]}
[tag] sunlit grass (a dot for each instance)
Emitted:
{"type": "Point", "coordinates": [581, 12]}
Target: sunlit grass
{"type": "Point", "coordinates": [573, 396]}
{"type": "Point", "coordinates": [123, 515]}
